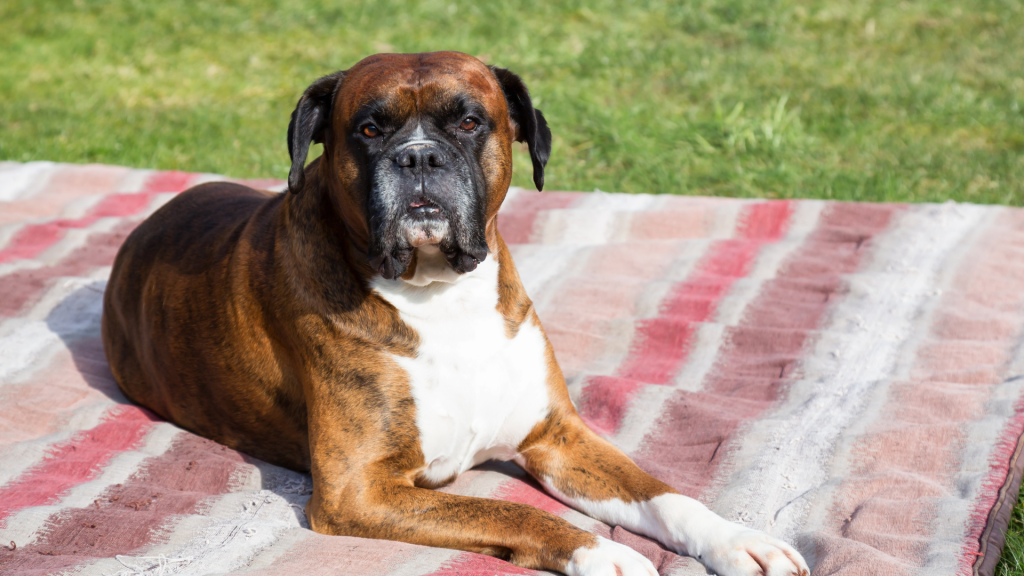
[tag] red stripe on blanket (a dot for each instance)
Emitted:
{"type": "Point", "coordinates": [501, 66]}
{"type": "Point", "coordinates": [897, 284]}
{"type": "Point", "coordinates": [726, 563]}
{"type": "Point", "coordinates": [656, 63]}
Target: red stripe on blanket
{"type": "Point", "coordinates": [469, 564]}
{"type": "Point", "coordinates": [75, 461]}
{"type": "Point", "coordinates": [663, 343]}
{"type": "Point", "coordinates": [67, 185]}
{"type": "Point", "coordinates": [530, 493]}
{"type": "Point", "coordinates": [130, 517]}
{"type": "Point", "coordinates": [71, 377]}
{"type": "Point", "coordinates": [170, 181]}
{"type": "Point", "coordinates": [33, 239]}
{"type": "Point", "coordinates": [25, 287]}
{"type": "Point", "coordinates": [693, 435]}
{"type": "Point", "coordinates": [596, 295]}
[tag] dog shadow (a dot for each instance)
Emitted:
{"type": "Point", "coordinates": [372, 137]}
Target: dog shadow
{"type": "Point", "coordinates": [76, 321]}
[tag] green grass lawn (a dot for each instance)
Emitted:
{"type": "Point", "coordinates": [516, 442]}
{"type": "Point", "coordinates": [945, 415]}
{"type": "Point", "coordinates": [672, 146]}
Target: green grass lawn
{"type": "Point", "coordinates": [914, 100]}
{"type": "Point", "coordinates": [878, 101]}
{"type": "Point", "coordinates": [1012, 562]}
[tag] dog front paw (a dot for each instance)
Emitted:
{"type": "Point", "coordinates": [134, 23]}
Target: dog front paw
{"type": "Point", "coordinates": [725, 548]}
{"type": "Point", "coordinates": [609, 558]}
{"type": "Point", "coordinates": [740, 551]}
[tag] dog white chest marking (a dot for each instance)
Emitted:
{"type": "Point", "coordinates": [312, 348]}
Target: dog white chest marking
{"type": "Point", "coordinates": [478, 393]}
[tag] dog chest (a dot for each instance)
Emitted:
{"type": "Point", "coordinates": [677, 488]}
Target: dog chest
{"type": "Point", "coordinates": [477, 392]}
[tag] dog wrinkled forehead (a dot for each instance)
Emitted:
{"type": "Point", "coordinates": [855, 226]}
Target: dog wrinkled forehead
{"type": "Point", "coordinates": [411, 83]}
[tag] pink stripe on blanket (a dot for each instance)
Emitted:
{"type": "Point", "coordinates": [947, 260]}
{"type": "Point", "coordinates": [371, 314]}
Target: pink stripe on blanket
{"type": "Point", "coordinates": [25, 287]}
{"type": "Point", "coordinates": [261, 183]}
{"type": "Point", "coordinates": [516, 220]}
{"type": "Point", "coordinates": [608, 288]}
{"type": "Point", "coordinates": [678, 224]}
{"type": "Point", "coordinates": [38, 405]}
{"type": "Point", "coordinates": [467, 564]}
{"type": "Point", "coordinates": [662, 344]}
{"type": "Point", "coordinates": [169, 181]}
{"type": "Point", "coordinates": [694, 433]}
{"type": "Point", "coordinates": [77, 460]}
{"type": "Point", "coordinates": [531, 494]}
{"type": "Point", "coordinates": [68, 184]}
{"type": "Point", "coordinates": [32, 240]}
{"type": "Point", "coordinates": [134, 515]}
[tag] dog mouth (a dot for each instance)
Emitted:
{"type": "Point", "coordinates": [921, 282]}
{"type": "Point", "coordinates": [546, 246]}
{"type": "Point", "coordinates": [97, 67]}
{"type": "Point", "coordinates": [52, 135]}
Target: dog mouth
{"type": "Point", "coordinates": [425, 223]}
{"type": "Point", "coordinates": [424, 207]}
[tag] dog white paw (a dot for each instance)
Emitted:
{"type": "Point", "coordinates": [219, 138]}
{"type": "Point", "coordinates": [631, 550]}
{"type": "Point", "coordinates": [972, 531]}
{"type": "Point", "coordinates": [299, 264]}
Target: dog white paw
{"type": "Point", "coordinates": [725, 548]}
{"type": "Point", "coordinates": [744, 552]}
{"type": "Point", "coordinates": [609, 558]}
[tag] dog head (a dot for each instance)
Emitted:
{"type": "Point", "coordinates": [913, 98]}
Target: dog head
{"type": "Point", "coordinates": [419, 149]}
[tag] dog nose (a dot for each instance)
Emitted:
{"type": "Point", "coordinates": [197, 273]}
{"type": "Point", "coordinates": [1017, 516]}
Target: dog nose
{"type": "Point", "coordinates": [420, 157]}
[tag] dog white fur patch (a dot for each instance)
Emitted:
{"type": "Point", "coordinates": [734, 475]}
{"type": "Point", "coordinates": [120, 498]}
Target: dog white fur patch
{"type": "Point", "coordinates": [478, 393]}
{"type": "Point", "coordinates": [686, 526]}
{"type": "Point", "coordinates": [609, 558]}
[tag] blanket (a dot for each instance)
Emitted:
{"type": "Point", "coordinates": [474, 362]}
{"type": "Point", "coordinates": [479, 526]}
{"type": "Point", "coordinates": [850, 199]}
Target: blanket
{"type": "Point", "coordinates": [846, 376]}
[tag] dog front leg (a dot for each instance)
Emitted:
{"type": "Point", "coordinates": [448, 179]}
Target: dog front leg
{"type": "Point", "coordinates": [590, 474]}
{"type": "Point", "coordinates": [365, 457]}
{"type": "Point", "coordinates": [384, 508]}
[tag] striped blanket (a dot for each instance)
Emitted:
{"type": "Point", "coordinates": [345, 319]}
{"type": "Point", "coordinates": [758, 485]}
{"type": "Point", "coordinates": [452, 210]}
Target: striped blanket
{"type": "Point", "coordinates": [848, 377]}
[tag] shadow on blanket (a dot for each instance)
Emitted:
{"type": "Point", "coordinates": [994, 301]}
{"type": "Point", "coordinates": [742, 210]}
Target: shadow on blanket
{"type": "Point", "coordinates": [76, 320]}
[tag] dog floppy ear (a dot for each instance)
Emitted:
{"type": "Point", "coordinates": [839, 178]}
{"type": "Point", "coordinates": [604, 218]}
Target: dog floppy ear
{"type": "Point", "coordinates": [309, 119]}
{"type": "Point", "coordinates": [530, 124]}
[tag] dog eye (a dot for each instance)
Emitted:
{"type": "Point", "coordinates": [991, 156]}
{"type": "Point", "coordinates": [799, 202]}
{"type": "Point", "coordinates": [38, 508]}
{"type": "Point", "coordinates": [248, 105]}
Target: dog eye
{"type": "Point", "coordinates": [469, 124]}
{"type": "Point", "coordinates": [370, 131]}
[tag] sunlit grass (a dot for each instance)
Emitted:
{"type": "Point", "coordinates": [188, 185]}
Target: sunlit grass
{"type": "Point", "coordinates": [1012, 562]}
{"type": "Point", "coordinates": [902, 101]}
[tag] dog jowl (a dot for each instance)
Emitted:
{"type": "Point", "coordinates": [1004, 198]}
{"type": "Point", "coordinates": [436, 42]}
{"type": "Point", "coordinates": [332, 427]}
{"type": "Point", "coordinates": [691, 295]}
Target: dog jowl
{"type": "Point", "coordinates": [370, 327]}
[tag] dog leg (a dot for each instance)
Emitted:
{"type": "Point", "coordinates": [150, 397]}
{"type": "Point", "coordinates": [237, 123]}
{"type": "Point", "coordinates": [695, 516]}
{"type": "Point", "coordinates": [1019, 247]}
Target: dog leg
{"type": "Point", "coordinates": [366, 459]}
{"type": "Point", "coordinates": [521, 534]}
{"type": "Point", "coordinates": [590, 474]}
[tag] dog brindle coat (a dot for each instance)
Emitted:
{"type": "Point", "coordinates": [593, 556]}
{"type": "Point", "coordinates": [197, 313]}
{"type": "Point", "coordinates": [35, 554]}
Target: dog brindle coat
{"type": "Point", "coordinates": [370, 327]}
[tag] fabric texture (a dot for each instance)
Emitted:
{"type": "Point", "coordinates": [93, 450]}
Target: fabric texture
{"type": "Point", "coordinates": [848, 377]}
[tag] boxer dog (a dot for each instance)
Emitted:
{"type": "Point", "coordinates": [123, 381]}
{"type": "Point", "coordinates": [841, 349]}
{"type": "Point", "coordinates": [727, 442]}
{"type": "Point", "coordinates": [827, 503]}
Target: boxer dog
{"type": "Point", "coordinates": [369, 326]}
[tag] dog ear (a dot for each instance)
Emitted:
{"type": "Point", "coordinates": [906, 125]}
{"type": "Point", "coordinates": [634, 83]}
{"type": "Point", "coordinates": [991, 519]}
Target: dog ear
{"type": "Point", "coordinates": [530, 123]}
{"type": "Point", "coordinates": [309, 119]}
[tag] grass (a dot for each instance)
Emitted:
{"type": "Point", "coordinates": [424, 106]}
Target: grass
{"type": "Point", "coordinates": [1012, 561]}
{"type": "Point", "coordinates": [878, 101]}
{"type": "Point", "coordinates": [887, 101]}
